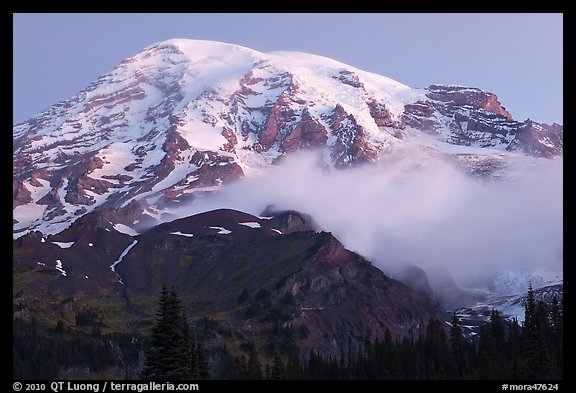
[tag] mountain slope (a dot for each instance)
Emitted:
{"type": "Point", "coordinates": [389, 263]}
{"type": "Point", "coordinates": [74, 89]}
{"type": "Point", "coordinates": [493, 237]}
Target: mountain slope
{"type": "Point", "coordinates": [239, 269]}
{"type": "Point", "coordinates": [185, 116]}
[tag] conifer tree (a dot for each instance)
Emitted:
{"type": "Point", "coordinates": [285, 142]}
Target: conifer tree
{"type": "Point", "coordinates": [254, 369]}
{"type": "Point", "coordinates": [459, 348]}
{"type": "Point", "coordinates": [515, 349]}
{"type": "Point", "coordinates": [556, 322]}
{"type": "Point", "coordinates": [491, 361]}
{"type": "Point", "coordinates": [535, 357]}
{"type": "Point", "coordinates": [277, 371]}
{"type": "Point", "coordinates": [202, 368]}
{"type": "Point", "coordinates": [293, 367]}
{"type": "Point", "coordinates": [174, 353]}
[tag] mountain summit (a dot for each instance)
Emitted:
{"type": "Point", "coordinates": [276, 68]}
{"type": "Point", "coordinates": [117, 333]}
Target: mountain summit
{"type": "Point", "coordinates": [185, 116]}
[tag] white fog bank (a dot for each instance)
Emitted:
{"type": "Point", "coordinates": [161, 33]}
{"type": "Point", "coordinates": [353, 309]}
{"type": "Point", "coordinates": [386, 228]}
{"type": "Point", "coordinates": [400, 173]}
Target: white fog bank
{"type": "Point", "coordinates": [433, 216]}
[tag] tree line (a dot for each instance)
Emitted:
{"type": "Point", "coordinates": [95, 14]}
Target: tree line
{"type": "Point", "coordinates": [504, 351]}
{"type": "Point", "coordinates": [42, 353]}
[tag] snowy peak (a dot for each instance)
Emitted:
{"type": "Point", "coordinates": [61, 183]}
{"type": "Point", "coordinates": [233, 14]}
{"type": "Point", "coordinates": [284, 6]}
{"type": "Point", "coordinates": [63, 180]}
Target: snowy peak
{"type": "Point", "coordinates": [186, 116]}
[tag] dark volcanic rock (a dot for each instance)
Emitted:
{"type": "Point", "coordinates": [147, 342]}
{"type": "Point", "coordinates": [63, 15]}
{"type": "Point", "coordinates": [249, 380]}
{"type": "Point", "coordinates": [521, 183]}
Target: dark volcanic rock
{"type": "Point", "coordinates": [473, 117]}
{"type": "Point", "coordinates": [308, 133]}
{"type": "Point", "coordinates": [416, 278]}
{"type": "Point", "coordinates": [455, 97]}
{"type": "Point", "coordinates": [541, 140]}
{"type": "Point", "coordinates": [212, 258]}
{"type": "Point", "coordinates": [351, 146]}
{"type": "Point", "coordinates": [288, 221]}
{"type": "Point", "coordinates": [20, 194]}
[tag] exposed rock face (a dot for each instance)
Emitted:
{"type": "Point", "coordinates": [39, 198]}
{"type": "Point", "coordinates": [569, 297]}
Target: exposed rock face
{"type": "Point", "coordinates": [381, 115]}
{"type": "Point", "coordinates": [20, 194]}
{"type": "Point", "coordinates": [350, 146]}
{"type": "Point", "coordinates": [416, 278]}
{"type": "Point", "coordinates": [281, 115]}
{"type": "Point", "coordinates": [541, 140]}
{"type": "Point", "coordinates": [421, 116]}
{"type": "Point", "coordinates": [308, 133]}
{"type": "Point", "coordinates": [473, 117]}
{"type": "Point", "coordinates": [343, 296]}
{"type": "Point", "coordinates": [456, 97]}
{"type": "Point", "coordinates": [139, 132]}
{"type": "Point", "coordinates": [288, 221]}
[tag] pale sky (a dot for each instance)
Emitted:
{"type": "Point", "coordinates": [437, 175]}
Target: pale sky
{"type": "Point", "coordinates": [519, 57]}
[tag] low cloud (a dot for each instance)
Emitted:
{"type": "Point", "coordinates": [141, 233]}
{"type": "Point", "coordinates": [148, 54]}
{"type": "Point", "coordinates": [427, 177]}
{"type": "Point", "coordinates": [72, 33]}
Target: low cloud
{"type": "Point", "coordinates": [401, 213]}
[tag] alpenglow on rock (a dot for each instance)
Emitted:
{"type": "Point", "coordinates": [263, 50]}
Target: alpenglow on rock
{"type": "Point", "coordinates": [186, 116]}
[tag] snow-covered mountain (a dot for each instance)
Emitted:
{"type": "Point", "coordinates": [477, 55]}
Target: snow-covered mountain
{"type": "Point", "coordinates": [186, 116]}
{"type": "Point", "coordinates": [510, 305]}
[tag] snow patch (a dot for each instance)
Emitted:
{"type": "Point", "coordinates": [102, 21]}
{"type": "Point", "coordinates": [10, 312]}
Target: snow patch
{"type": "Point", "coordinates": [221, 230]}
{"type": "Point", "coordinates": [125, 230]}
{"type": "Point", "coordinates": [203, 136]}
{"type": "Point", "coordinates": [60, 268]}
{"type": "Point", "coordinates": [124, 253]}
{"type": "Point", "coordinates": [250, 224]}
{"type": "Point", "coordinates": [64, 244]}
{"type": "Point", "coordinates": [181, 234]}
